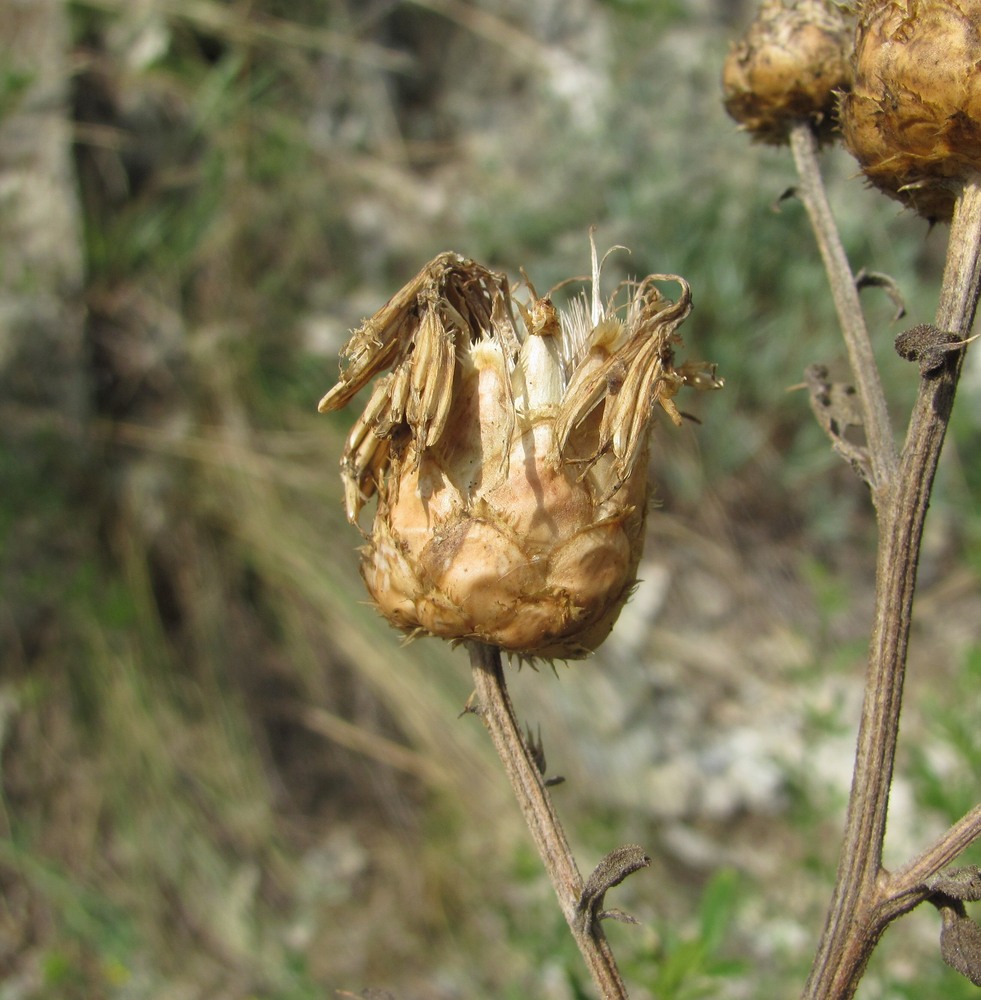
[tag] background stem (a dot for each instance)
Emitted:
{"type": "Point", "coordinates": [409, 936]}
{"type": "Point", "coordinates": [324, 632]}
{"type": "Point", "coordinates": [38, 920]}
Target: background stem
{"type": "Point", "coordinates": [883, 454]}
{"type": "Point", "coordinates": [494, 705]}
{"type": "Point", "coordinates": [860, 907]}
{"type": "Point", "coordinates": [907, 887]}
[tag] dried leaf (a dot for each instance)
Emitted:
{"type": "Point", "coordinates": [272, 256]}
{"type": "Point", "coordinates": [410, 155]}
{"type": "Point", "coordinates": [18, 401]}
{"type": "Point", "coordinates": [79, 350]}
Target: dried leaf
{"type": "Point", "coordinates": [876, 279]}
{"type": "Point", "coordinates": [928, 346]}
{"type": "Point", "coordinates": [960, 943]}
{"type": "Point", "coordinates": [958, 883]}
{"type": "Point", "coordinates": [610, 872]}
{"type": "Point", "coordinates": [836, 408]}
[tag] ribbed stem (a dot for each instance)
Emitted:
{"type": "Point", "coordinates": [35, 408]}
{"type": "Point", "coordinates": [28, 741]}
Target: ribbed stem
{"type": "Point", "coordinates": [864, 899]}
{"type": "Point", "coordinates": [494, 707]}
{"type": "Point", "coordinates": [883, 453]}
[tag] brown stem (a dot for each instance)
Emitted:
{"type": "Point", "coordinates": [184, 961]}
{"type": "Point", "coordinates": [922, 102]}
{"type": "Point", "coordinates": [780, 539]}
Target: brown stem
{"type": "Point", "coordinates": [861, 905]}
{"type": "Point", "coordinates": [883, 455]}
{"type": "Point", "coordinates": [494, 705]}
{"type": "Point", "coordinates": [907, 887]}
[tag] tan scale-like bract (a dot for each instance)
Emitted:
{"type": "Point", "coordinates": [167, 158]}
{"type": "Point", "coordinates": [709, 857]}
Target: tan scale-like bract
{"type": "Point", "coordinates": [788, 67]}
{"type": "Point", "coordinates": [509, 460]}
{"type": "Point", "coordinates": [913, 118]}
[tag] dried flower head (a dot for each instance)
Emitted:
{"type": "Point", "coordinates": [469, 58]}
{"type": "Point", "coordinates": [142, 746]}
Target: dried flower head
{"type": "Point", "coordinates": [913, 119]}
{"type": "Point", "coordinates": [509, 461]}
{"type": "Point", "coordinates": [788, 67]}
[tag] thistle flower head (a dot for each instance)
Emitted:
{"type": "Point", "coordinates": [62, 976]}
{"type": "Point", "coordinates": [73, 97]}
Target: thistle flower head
{"type": "Point", "coordinates": [509, 458]}
{"type": "Point", "coordinates": [788, 67]}
{"type": "Point", "coordinates": [913, 118]}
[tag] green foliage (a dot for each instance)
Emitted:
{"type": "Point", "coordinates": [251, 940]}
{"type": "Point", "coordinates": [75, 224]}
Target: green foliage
{"type": "Point", "coordinates": [96, 941]}
{"type": "Point", "coordinates": [652, 14]}
{"type": "Point", "coordinates": [945, 769]}
{"type": "Point", "coordinates": [692, 962]}
{"type": "Point", "coordinates": [14, 83]}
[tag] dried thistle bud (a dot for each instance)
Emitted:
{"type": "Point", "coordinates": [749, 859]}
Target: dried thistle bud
{"type": "Point", "coordinates": [510, 461]}
{"type": "Point", "coordinates": [787, 68]}
{"type": "Point", "coordinates": [913, 118]}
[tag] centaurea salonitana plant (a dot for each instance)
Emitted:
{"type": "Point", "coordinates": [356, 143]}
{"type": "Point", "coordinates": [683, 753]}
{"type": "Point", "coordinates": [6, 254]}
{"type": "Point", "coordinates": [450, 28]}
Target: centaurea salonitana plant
{"type": "Point", "coordinates": [510, 462]}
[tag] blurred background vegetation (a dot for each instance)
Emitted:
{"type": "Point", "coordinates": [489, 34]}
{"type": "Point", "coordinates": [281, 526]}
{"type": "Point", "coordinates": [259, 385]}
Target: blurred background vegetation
{"type": "Point", "coordinates": [221, 775]}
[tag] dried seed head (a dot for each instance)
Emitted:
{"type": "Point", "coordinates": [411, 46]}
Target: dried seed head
{"type": "Point", "coordinates": [510, 464]}
{"type": "Point", "coordinates": [913, 119]}
{"type": "Point", "coordinates": [787, 68]}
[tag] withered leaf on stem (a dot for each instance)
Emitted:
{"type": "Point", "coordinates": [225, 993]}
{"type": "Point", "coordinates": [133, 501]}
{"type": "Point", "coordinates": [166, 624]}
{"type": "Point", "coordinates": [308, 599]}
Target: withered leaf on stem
{"type": "Point", "coordinates": [960, 942]}
{"type": "Point", "coordinates": [611, 871]}
{"type": "Point", "coordinates": [958, 883]}
{"type": "Point", "coordinates": [836, 408]}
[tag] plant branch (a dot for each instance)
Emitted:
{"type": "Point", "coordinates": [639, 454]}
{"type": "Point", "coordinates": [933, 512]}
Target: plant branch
{"type": "Point", "coordinates": [883, 454]}
{"type": "Point", "coordinates": [908, 887]}
{"type": "Point", "coordinates": [860, 909]}
{"type": "Point", "coordinates": [494, 706]}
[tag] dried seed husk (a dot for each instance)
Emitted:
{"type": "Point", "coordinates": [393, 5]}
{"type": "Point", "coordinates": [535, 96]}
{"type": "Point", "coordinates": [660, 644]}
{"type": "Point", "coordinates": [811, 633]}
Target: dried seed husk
{"type": "Point", "coordinates": [788, 67]}
{"type": "Point", "coordinates": [913, 118]}
{"type": "Point", "coordinates": [531, 564]}
{"type": "Point", "coordinates": [510, 470]}
{"type": "Point", "coordinates": [449, 304]}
